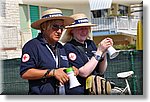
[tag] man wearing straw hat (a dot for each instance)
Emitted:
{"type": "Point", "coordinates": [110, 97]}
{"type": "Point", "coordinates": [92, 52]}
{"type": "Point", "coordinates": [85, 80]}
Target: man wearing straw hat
{"type": "Point", "coordinates": [82, 52]}
{"type": "Point", "coordinates": [43, 58]}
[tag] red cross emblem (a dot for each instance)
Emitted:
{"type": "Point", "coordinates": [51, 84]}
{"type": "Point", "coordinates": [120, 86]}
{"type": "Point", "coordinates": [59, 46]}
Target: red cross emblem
{"type": "Point", "coordinates": [25, 58]}
{"type": "Point", "coordinates": [72, 56]}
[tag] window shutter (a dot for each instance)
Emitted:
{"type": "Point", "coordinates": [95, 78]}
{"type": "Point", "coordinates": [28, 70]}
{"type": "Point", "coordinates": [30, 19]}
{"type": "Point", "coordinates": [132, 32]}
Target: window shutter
{"type": "Point", "coordinates": [34, 16]}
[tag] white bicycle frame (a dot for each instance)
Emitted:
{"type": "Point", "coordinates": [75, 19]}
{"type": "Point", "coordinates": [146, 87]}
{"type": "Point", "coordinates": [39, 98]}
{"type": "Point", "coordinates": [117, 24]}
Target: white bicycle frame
{"type": "Point", "coordinates": [124, 75]}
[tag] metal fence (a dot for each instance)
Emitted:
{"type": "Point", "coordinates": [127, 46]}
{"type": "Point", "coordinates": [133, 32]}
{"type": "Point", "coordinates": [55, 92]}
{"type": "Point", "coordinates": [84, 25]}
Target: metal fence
{"type": "Point", "coordinates": [125, 61]}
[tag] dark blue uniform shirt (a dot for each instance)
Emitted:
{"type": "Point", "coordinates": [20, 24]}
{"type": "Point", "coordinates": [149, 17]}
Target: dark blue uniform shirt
{"type": "Point", "coordinates": [35, 54]}
{"type": "Point", "coordinates": [78, 55]}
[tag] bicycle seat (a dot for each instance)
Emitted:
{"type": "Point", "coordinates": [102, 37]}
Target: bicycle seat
{"type": "Point", "coordinates": [125, 74]}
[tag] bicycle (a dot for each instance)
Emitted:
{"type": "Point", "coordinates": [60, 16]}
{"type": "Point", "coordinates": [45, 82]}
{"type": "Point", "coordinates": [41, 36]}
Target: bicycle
{"type": "Point", "coordinates": [116, 90]}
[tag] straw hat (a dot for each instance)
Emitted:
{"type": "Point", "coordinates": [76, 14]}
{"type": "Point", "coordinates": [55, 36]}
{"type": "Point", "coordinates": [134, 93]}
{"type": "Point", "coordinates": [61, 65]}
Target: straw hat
{"type": "Point", "coordinates": [52, 14]}
{"type": "Point", "coordinates": [80, 20]}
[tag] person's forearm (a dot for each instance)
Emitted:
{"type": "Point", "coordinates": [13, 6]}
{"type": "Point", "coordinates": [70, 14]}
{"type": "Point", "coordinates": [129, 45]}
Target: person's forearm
{"type": "Point", "coordinates": [33, 74]}
{"type": "Point", "coordinates": [86, 70]}
{"type": "Point", "coordinates": [103, 65]}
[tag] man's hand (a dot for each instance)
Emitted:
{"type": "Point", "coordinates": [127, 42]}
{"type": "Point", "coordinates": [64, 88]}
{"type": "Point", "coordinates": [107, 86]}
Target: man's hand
{"type": "Point", "coordinates": [61, 76]}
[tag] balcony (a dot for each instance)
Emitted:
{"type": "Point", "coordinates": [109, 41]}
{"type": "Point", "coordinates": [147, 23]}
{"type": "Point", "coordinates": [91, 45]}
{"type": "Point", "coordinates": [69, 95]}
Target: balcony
{"type": "Point", "coordinates": [114, 25]}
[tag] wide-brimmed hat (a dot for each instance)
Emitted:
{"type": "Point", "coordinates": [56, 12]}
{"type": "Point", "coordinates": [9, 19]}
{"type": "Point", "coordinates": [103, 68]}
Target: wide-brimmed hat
{"type": "Point", "coordinates": [80, 20]}
{"type": "Point", "coordinates": [52, 14]}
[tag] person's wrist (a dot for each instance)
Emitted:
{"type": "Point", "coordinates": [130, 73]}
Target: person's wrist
{"type": "Point", "coordinates": [53, 72]}
{"type": "Point", "coordinates": [46, 74]}
{"type": "Point", "coordinates": [97, 56]}
{"type": "Point", "coordinates": [99, 53]}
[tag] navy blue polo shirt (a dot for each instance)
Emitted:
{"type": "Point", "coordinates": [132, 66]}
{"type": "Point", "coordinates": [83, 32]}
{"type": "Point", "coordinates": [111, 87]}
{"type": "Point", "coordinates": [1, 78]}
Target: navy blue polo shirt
{"type": "Point", "coordinates": [78, 55]}
{"type": "Point", "coordinates": [35, 54]}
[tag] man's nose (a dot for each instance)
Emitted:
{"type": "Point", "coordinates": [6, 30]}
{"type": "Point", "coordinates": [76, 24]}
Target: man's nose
{"type": "Point", "coordinates": [59, 31]}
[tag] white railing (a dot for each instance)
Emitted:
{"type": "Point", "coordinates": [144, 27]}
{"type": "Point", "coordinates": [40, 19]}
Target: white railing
{"type": "Point", "coordinates": [115, 24]}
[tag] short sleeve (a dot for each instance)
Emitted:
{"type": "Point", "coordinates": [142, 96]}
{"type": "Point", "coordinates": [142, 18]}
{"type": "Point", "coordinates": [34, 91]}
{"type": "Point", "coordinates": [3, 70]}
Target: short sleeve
{"type": "Point", "coordinates": [28, 58]}
{"type": "Point", "coordinates": [75, 57]}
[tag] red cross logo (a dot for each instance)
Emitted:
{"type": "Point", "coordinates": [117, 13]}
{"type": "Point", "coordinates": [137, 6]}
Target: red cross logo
{"type": "Point", "coordinates": [25, 58]}
{"type": "Point", "coordinates": [72, 56]}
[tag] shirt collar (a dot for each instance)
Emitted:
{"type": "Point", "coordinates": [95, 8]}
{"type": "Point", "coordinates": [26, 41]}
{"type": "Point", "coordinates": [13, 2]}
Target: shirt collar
{"type": "Point", "coordinates": [76, 43]}
{"type": "Point", "coordinates": [43, 41]}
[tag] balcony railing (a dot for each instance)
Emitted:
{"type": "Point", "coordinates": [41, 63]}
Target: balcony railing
{"type": "Point", "coordinates": [115, 24]}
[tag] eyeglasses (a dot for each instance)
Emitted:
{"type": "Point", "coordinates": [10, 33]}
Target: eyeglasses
{"type": "Point", "coordinates": [57, 27]}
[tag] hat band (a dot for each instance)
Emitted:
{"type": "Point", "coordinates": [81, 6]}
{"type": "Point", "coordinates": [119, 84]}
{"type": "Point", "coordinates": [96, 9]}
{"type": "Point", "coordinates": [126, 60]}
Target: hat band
{"type": "Point", "coordinates": [52, 15]}
{"type": "Point", "coordinates": [79, 21]}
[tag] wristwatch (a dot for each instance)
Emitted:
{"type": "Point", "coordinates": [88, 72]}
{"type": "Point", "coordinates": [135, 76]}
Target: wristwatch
{"type": "Point", "coordinates": [97, 57]}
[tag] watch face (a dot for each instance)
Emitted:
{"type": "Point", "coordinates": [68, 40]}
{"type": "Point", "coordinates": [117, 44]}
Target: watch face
{"type": "Point", "coordinates": [97, 57]}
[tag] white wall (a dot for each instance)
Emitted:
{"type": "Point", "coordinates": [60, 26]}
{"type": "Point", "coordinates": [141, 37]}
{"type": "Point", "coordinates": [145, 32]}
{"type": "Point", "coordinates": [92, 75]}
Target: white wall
{"type": "Point", "coordinates": [11, 21]}
{"type": "Point", "coordinates": [76, 5]}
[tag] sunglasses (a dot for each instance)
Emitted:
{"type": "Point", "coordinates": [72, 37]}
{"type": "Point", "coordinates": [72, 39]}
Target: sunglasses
{"type": "Point", "coordinates": [57, 27]}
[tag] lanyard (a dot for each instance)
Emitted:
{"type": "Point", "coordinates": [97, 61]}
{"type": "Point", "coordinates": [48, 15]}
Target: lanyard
{"type": "Point", "coordinates": [86, 51]}
{"type": "Point", "coordinates": [85, 45]}
{"type": "Point", "coordinates": [61, 87]}
{"type": "Point", "coordinates": [55, 58]}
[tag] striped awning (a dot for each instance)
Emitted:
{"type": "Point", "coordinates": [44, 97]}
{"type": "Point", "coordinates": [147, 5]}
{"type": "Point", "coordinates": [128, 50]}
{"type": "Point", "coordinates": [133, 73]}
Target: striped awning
{"type": "Point", "coordinates": [100, 4]}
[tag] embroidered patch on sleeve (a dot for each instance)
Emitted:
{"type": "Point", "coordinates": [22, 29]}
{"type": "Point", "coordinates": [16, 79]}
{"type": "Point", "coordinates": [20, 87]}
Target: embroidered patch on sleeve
{"type": "Point", "coordinates": [72, 56]}
{"type": "Point", "coordinates": [25, 58]}
{"type": "Point", "coordinates": [64, 57]}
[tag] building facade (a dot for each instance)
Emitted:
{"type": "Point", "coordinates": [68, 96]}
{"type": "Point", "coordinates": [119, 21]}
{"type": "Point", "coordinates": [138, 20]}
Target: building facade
{"type": "Point", "coordinates": [17, 16]}
{"type": "Point", "coordinates": [118, 20]}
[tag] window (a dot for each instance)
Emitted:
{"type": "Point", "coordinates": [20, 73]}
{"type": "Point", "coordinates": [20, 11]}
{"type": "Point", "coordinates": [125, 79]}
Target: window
{"type": "Point", "coordinates": [24, 18]}
{"type": "Point", "coordinates": [34, 16]}
{"type": "Point", "coordinates": [33, 13]}
{"type": "Point", "coordinates": [100, 13]}
{"type": "Point", "coordinates": [67, 12]}
{"type": "Point", "coordinates": [123, 10]}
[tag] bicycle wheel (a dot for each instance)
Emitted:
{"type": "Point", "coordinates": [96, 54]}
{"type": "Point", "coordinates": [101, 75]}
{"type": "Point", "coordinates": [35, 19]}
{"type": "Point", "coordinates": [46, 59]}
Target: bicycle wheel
{"type": "Point", "coordinates": [117, 91]}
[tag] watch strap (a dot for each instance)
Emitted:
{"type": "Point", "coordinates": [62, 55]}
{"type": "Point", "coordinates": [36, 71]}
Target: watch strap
{"type": "Point", "coordinates": [97, 57]}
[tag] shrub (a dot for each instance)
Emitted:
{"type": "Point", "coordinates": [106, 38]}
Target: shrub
{"type": "Point", "coordinates": [125, 47]}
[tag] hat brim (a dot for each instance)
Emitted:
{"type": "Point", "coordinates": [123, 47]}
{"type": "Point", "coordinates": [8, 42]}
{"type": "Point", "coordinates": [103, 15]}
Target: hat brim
{"type": "Point", "coordinates": [67, 21]}
{"type": "Point", "coordinates": [80, 25]}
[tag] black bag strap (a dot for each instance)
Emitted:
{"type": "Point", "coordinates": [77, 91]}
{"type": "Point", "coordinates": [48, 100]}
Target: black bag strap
{"type": "Point", "coordinates": [82, 50]}
{"type": "Point", "coordinates": [102, 88]}
{"type": "Point", "coordinates": [106, 87]}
